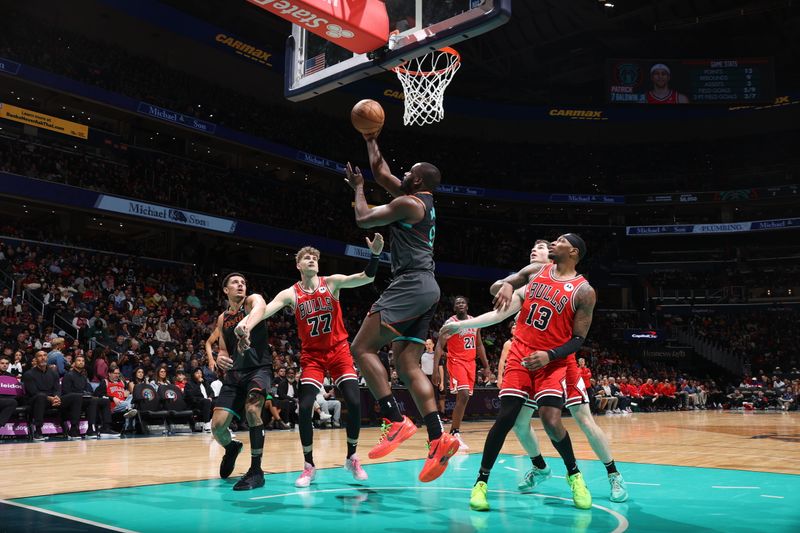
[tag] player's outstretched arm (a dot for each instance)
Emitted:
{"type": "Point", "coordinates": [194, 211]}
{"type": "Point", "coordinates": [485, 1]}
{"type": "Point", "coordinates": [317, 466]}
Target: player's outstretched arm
{"type": "Point", "coordinates": [343, 281]}
{"type": "Point", "coordinates": [380, 169]}
{"type": "Point", "coordinates": [285, 298]}
{"type": "Point", "coordinates": [502, 289]}
{"type": "Point", "coordinates": [409, 209]}
{"type": "Point", "coordinates": [487, 319]}
{"type": "Point", "coordinates": [257, 313]}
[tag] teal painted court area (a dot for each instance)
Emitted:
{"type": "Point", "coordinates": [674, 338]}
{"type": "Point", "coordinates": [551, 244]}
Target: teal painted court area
{"type": "Point", "coordinates": [663, 498]}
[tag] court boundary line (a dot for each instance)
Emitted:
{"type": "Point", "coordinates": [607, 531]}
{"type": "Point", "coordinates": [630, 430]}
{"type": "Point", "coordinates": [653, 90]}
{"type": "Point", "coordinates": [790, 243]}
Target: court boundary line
{"type": "Point", "coordinates": [66, 516]}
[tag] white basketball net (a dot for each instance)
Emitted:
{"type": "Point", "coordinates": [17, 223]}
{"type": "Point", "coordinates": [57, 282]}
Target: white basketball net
{"type": "Point", "coordinates": [424, 81]}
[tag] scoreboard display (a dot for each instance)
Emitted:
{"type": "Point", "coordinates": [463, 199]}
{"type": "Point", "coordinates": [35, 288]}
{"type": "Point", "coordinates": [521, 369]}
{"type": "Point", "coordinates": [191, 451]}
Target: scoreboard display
{"type": "Point", "coordinates": [690, 81]}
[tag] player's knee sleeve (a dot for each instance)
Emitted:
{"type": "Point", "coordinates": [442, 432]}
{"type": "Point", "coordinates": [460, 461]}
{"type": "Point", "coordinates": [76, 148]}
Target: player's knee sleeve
{"type": "Point", "coordinates": [509, 409]}
{"type": "Point", "coordinates": [350, 393]}
{"type": "Point", "coordinates": [308, 395]}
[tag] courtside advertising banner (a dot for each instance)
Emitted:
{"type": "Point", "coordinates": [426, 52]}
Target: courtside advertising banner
{"type": "Point", "coordinates": [162, 213]}
{"type": "Point", "coordinates": [40, 120]}
{"type": "Point", "coordinates": [722, 227]}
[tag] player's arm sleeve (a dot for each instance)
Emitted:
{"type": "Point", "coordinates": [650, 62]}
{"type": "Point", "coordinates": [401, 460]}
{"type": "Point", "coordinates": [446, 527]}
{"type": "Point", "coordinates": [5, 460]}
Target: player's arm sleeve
{"type": "Point", "coordinates": [585, 301]}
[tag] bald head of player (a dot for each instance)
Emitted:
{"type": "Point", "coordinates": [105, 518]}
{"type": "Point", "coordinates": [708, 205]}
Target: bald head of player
{"type": "Point", "coordinates": [567, 249]}
{"type": "Point", "coordinates": [421, 177]}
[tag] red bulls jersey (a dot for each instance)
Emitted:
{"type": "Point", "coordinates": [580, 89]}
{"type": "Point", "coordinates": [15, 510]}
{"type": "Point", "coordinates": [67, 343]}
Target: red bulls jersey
{"type": "Point", "coordinates": [115, 390]}
{"type": "Point", "coordinates": [547, 314]}
{"type": "Point", "coordinates": [319, 318]}
{"type": "Point", "coordinates": [671, 98]}
{"type": "Point", "coordinates": [462, 345]}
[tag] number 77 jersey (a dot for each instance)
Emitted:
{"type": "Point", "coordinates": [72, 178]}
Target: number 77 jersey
{"type": "Point", "coordinates": [318, 315]}
{"type": "Point", "coordinates": [548, 310]}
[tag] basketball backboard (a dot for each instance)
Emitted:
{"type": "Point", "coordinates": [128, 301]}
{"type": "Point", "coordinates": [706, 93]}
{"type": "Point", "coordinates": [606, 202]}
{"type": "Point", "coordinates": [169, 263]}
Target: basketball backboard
{"type": "Point", "coordinates": [315, 65]}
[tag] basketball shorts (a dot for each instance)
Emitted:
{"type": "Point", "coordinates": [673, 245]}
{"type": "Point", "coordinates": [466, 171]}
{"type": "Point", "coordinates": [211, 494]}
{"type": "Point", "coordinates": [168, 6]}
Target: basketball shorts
{"type": "Point", "coordinates": [338, 361]}
{"type": "Point", "coordinates": [408, 304]}
{"type": "Point", "coordinates": [239, 384]}
{"type": "Point", "coordinates": [574, 387]}
{"type": "Point", "coordinates": [462, 375]}
{"type": "Point", "coordinates": [543, 387]}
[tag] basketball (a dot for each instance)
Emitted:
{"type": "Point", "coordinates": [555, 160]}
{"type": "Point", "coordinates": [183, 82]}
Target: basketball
{"type": "Point", "coordinates": [367, 116]}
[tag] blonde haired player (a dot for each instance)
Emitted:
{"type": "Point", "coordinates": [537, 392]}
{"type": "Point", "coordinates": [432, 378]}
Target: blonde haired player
{"type": "Point", "coordinates": [323, 337]}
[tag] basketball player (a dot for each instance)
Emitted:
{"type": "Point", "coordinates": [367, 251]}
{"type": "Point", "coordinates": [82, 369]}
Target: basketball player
{"type": "Point", "coordinates": [555, 316]}
{"type": "Point", "coordinates": [323, 337]}
{"type": "Point", "coordinates": [403, 312]}
{"type": "Point", "coordinates": [661, 93]}
{"type": "Point", "coordinates": [248, 378]}
{"type": "Point", "coordinates": [461, 367]}
{"type": "Point", "coordinates": [577, 398]}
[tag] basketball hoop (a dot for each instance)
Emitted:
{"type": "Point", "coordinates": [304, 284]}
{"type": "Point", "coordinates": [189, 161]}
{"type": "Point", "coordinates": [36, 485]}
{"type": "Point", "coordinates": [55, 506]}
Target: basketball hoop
{"type": "Point", "coordinates": [424, 81]}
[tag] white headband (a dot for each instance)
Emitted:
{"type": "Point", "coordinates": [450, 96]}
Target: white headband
{"type": "Point", "coordinates": [660, 66]}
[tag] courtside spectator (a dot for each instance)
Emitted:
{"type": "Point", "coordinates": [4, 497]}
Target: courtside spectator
{"type": "Point", "coordinates": [42, 391]}
{"type": "Point", "coordinates": [199, 395]}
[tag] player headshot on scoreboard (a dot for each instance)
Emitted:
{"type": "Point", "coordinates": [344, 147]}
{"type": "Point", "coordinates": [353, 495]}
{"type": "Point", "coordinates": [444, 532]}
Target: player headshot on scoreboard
{"type": "Point", "coordinates": [661, 92]}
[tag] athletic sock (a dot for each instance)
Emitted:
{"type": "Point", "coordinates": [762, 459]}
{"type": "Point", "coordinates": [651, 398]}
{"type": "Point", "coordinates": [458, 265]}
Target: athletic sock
{"type": "Point", "coordinates": [351, 448]}
{"type": "Point", "coordinates": [434, 425]}
{"type": "Point", "coordinates": [564, 448]}
{"type": "Point", "coordinates": [256, 445]}
{"type": "Point", "coordinates": [308, 455]}
{"type": "Point", "coordinates": [483, 475]}
{"type": "Point", "coordinates": [611, 467]}
{"type": "Point", "coordinates": [538, 462]}
{"type": "Point", "coordinates": [389, 409]}
{"type": "Point", "coordinates": [231, 446]}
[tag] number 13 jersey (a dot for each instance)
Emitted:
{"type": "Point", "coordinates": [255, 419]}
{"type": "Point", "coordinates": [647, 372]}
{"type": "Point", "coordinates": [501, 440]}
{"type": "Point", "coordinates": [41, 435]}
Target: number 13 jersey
{"type": "Point", "coordinates": [548, 310]}
{"type": "Point", "coordinates": [319, 318]}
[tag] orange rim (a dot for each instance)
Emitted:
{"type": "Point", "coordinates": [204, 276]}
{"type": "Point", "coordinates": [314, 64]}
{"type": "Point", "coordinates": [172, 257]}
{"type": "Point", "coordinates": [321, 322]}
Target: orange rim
{"type": "Point", "coordinates": [447, 50]}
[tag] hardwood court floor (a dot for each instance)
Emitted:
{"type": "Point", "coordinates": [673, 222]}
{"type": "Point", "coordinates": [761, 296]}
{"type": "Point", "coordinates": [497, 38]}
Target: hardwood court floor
{"type": "Point", "coordinates": [763, 442]}
{"type": "Point", "coordinates": [695, 471]}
